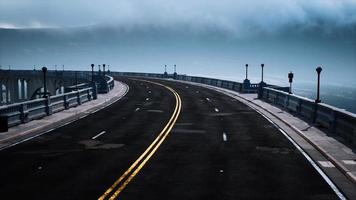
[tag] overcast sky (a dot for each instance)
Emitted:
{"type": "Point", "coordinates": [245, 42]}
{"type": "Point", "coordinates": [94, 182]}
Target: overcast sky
{"type": "Point", "coordinates": [212, 38]}
{"type": "Point", "coordinates": [230, 15]}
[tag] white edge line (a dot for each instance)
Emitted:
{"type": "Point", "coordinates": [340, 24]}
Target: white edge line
{"type": "Point", "coordinates": [44, 132]}
{"type": "Point", "coordinates": [311, 161]}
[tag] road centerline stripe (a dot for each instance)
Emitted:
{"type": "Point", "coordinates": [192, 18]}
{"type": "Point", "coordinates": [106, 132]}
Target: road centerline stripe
{"type": "Point", "coordinates": [148, 153]}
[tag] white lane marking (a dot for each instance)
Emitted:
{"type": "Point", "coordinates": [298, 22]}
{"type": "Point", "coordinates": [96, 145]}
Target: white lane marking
{"type": "Point", "coordinates": [197, 92]}
{"type": "Point", "coordinates": [137, 109]}
{"type": "Point", "coordinates": [147, 99]}
{"type": "Point", "coordinates": [326, 164]}
{"type": "Point", "coordinates": [349, 162]}
{"type": "Point", "coordinates": [216, 110]}
{"type": "Point", "coordinates": [149, 92]}
{"type": "Point", "coordinates": [102, 132]}
{"type": "Point", "coordinates": [224, 137]}
{"type": "Point", "coordinates": [207, 99]}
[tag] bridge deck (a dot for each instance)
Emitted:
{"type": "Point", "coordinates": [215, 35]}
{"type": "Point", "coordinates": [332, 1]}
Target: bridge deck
{"type": "Point", "coordinates": [219, 148]}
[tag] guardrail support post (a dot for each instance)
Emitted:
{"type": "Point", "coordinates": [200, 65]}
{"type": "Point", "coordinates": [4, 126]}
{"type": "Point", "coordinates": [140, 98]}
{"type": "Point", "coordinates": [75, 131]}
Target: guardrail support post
{"type": "Point", "coordinates": [79, 100]}
{"type": "Point", "coordinates": [48, 106]}
{"type": "Point", "coordinates": [88, 95]}
{"type": "Point", "coordinates": [24, 113]}
{"type": "Point", "coordinates": [65, 101]}
{"type": "Point", "coordinates": [94, 90]}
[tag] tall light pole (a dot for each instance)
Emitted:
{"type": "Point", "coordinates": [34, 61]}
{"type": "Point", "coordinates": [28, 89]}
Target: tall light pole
{"type": "Point", "coordinates": [55, 68]}
{"type": "Point", "coordinates": [99, 70]}
{"type": "Point", "coordinates": [318, 71]}
{"type": "Point", "coordinates": [290, 77]}
{"type": "Point", "coordinates": [262, 66]}
{"type": "Point", "coordinates": [44, 70]}
{"type": "Point", "coordinates": [109, 69]}
{"type": "Point", "coordinates": [104, 69]}
{"type": "Point", "coordinates": [246, 71]}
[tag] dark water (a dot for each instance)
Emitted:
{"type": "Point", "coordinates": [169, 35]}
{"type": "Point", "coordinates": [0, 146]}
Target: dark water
{"type": "Point", "coordinates": [339, 96]}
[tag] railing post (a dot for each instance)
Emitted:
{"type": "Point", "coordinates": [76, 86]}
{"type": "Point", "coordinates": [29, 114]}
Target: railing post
{"type": "Point", "coordinates": [94, 90]}
{"type": "Point", "coordinates": [88, 94]}
{"type": "Point", "coordinates": [24, 113]}
{"type": "Point", "coordinates": [79, 100]}
{"type": "Point", "coordinates": [65, 101]}
{"type": "Point", "coordinates": [48, 106]}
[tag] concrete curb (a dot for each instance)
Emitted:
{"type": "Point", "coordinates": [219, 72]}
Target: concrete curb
{"type": "Point", "coordinates": [40, 130]}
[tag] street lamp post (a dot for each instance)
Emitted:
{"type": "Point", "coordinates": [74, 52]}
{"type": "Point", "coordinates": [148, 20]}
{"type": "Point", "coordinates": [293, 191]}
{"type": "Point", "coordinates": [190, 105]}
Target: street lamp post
{"type": "Point", "coordinates": [99, 70]}
{"type": "Point", "coordinates": [262, 65]}
{"type": "Point", "coordinates": [92, 72]}
{"type": "Point", "coordinates": [104, 69]}
{"type": "Point", "coordinates": [109, 69]}
{"type": "Point", "coordinates": [44, 70]}
{"type": "Point", "coordinates": [290, 77]}
{"type": "Point", "coordinates": [246, 71]}
{"type": "Point", "coordinates": [318, 70]}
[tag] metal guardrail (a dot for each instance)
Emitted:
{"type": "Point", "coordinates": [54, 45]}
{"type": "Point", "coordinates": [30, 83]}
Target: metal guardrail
{"type": "Point", "coordinates": [34, 109]}
{"type": "Point", "coordinates": [17, 113]}
{"type": "Point", "coordinates": [336, 121]}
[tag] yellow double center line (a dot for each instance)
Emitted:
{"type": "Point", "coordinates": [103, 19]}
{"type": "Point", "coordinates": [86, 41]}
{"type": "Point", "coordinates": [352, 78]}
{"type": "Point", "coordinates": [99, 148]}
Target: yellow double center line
{"type": "Point", "coordinates": [131, 172]}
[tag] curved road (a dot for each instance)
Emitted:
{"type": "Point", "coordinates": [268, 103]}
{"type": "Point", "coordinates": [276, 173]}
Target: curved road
{"type": "Point", "coordinates": [188, 143]}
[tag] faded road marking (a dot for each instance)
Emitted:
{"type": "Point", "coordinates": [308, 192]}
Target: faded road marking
{"type": "Point", "coordinates": [102, 132]}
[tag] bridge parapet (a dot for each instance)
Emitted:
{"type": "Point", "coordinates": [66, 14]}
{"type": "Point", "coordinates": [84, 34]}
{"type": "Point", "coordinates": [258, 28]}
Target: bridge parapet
{"type": "Point", "coordinates": [245, 87]}
{"type": "Point", "coordinates": [22, 112]}
{"type": "Point", "coordinates": [334, 120]}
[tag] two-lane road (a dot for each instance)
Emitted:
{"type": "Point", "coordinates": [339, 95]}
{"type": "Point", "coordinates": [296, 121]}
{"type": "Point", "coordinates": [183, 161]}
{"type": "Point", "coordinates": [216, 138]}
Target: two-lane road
{"type": "Point", "coordinates": [205, 145]}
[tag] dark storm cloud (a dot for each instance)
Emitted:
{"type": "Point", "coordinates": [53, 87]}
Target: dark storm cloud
{"type": "Point", "coordinates": [238, 17]}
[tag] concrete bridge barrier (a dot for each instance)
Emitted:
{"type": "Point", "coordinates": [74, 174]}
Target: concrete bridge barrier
{"type": "Point", "coordinates": [75, 95]}
{"type": "Point", "coordinates": [336, 121]}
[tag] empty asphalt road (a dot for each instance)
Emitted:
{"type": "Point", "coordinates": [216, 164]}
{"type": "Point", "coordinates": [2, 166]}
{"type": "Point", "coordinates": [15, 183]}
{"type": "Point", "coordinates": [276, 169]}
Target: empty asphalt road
{"type": "Point", "coordinates": [170, 141]}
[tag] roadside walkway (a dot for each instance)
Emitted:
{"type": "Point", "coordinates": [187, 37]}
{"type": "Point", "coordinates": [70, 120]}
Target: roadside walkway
{"type": "Point", "coordinates": [27, 131]}
{"type": "Point", "coordinates": [336, 159]}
